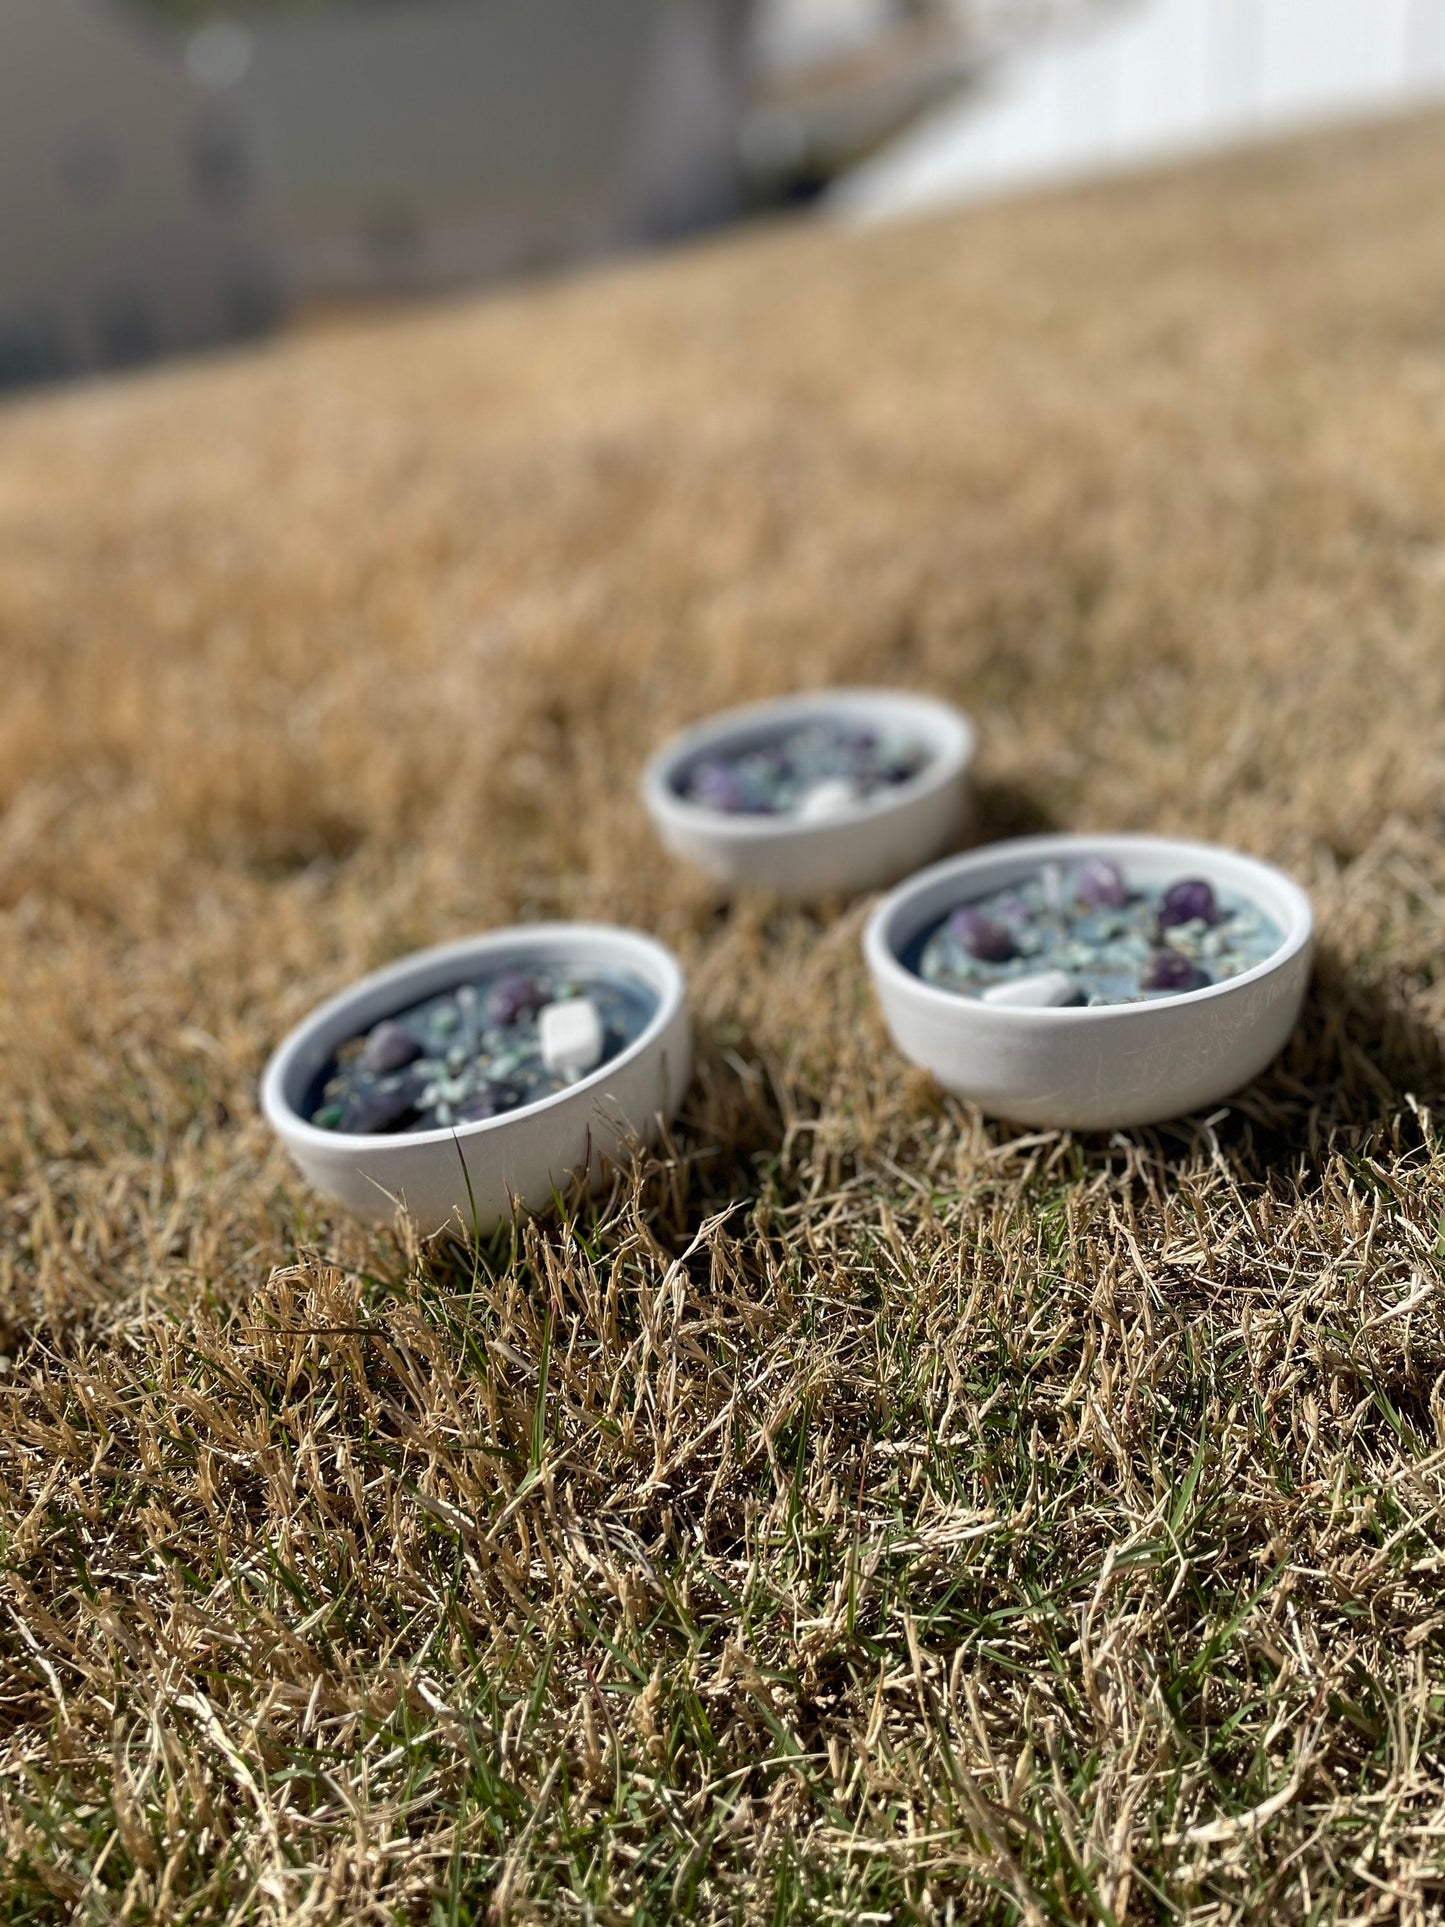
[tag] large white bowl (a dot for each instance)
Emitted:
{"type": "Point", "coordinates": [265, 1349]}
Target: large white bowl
{"type": "Point", "coordinates": [865, 844]}
{"type": "Point", "coordinates": [1113, 1065]}
{"type": "Point", "coordinates": [527, 1155]}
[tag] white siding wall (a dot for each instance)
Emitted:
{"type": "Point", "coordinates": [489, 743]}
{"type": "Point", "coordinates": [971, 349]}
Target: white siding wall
{"type": "Point", "coordinates": [1153, 78]}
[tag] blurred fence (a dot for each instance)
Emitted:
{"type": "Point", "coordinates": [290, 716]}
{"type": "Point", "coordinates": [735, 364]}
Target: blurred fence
{"type": "Point", "coordinates": [1145, 79]}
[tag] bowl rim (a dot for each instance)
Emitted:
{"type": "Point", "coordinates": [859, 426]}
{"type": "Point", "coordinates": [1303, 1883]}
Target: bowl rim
{"type": "Point", "coordinates": [954, 745]}
{"type": "Point", "coordinates": [668, 981]}
{"type": "Point", "coordinates": [887, 967]}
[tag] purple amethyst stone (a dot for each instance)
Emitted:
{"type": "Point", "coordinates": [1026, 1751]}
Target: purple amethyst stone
{"type": "Point", "coordinates": [381, 1107]}
{"type": "Point", "coordinates": [390, 1047]}
{"type": "Point", "coordinates": [1189, 901]}
{"type": "Point", "coordinates": [717, 787]}
{"type": "Point", "coordinates": [512, 998]}
{"type": "Point", "coordinates": [858, 743]}
{"type": "Point", "coordinates": [1100, 884]}
{"type": "Point", "coordinates": [982, 937]}
{"type": "Point", "coordinates": [1169, 970]}
{"type": "Point", "coordinates": [492, 1100]}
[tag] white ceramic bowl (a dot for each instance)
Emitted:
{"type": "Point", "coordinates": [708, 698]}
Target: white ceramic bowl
{"type": "Point", "coordinates": [527, 1155]}
{"type": "Point", "coordinates": [861, 846]}
{"type": "Point", "coordinates": [1114, 1065]}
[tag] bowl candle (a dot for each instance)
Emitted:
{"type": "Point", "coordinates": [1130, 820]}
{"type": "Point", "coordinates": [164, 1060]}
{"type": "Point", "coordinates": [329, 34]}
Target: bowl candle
{"type": "Point", "coordinates": [832, 791]}
{"type": "Point", "coordinates": [1102, 1011]}
{"type": "Point", "coordinates": [467, 1081]}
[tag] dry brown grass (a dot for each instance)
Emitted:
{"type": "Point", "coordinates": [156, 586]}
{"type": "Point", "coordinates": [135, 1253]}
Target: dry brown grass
{"type": "Point", "coordinates": [863, 1512]}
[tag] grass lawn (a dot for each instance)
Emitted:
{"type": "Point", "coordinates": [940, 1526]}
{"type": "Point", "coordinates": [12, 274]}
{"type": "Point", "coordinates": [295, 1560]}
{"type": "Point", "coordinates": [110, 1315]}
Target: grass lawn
{"type": "Point", "coordinates": [862, 1511]}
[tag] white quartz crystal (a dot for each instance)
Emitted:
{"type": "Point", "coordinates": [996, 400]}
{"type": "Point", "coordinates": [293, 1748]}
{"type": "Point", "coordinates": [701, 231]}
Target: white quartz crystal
{"type": "Point", "coordinates": [571, 1037]}
{"type": "Point", "coordinates": [826, 798]}
{"type": "Point", "coordinates": [1045, 990]}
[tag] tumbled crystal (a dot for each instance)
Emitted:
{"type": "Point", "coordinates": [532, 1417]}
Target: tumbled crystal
{"type": "Point", "coordinates": [390, 1047]}
{"type": "Point", "coordinates": [571, 1037]}
{"type": "Point", "coordinates": [982, 937]}
{"type": "Point", "coordinates": [717, 786]}
{"type": "Point", "coordinates": [1191, 900]}
{"type": "Point", "coordinates": [857, 740]}
{"type": "Point", "coordinates": [380, 1107]}
{"type": "Point", "coordinates": [1169, 970]}
{"type": "Point", "coordinates": [492, 1100]}
{"type": "Point", "coordinates": [1101, 884]}
{"type": "Point", "coordinates": [828, 798]}
{"type": "Point", "coordinates": [514, 997]}
{"type": "Point", "coordinates": [1045, 990]}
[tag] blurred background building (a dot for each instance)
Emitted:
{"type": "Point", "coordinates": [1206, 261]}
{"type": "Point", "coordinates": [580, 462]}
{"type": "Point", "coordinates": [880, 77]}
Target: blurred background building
{"type": "Point", "coordinates": [441, 142]}
{"type": "Point", "coordinates": [177, 173]}
{"type": "Point", "coordinates": [129, 217]}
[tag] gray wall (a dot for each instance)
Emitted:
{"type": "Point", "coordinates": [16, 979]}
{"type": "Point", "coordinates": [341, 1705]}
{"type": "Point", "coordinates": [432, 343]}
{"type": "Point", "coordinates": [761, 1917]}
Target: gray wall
{"type": "Point", "coordinates": [449, 141]}
{"type": "Point", "coordinates": [128, 220]}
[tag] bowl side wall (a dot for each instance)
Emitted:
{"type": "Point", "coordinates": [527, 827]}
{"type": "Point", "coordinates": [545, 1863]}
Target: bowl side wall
{"type": "Point", "coordinates": [1080, 1075]}
{"type": "Point", "coordinates": [823, 859]}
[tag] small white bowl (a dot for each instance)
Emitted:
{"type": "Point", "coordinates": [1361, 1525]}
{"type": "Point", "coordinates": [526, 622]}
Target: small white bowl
{"type": "Point", "coordinates": [1112, 1065]}
{"type": "Point", "coordinates": [527, 1155]}
{"type": "Point", "coordinates": [861, 846]}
